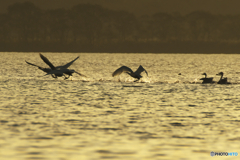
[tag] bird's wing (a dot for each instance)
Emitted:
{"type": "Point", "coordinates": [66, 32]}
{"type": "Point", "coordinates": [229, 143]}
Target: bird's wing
{"type": "Point", "coordinates": [140, 70]}
{"type": "Point", "coordinates": [80, 74]}
{"type": "Point", "coordinates": [41, 68]}
{"type": "Point", "coordinates": [32, 64]}
{"type": "Point", "coordinates": [121, 70]}
{"type": "Point", "coordinates": [47, 61]}
{"type": "Point", "coordinates": [68, 64]}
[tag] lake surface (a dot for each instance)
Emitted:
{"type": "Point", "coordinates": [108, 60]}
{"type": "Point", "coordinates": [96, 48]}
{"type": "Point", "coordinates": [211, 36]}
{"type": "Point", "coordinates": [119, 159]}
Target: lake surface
{"type": "Point", "coordinates": [163, 116]}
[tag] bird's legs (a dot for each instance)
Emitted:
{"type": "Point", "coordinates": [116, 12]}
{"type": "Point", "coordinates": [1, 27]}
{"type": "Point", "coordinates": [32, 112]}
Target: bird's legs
{"type": "Point", "coordinates": [137, 80]}
{"type": "Point", "coordinates": [66, 77]}
{"type": "Point", "coordinates": [53, 76]}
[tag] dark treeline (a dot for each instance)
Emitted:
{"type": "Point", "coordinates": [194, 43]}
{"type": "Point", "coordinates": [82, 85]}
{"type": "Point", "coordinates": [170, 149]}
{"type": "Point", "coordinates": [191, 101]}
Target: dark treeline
{"type": "Point", "coordinates": [92, 28]}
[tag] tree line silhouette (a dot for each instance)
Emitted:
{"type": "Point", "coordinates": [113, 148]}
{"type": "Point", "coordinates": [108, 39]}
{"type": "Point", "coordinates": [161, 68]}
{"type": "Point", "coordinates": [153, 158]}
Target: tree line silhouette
{"type": "Point", "coordinates": [92, 28]}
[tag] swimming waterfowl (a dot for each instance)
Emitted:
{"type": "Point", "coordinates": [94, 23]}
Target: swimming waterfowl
{"type": "Point", "coordinates": [222, 80]}
{"type": "Point", "coordinates": [207, 80]}
{"type": "Point", "coordinates": [136, 74]}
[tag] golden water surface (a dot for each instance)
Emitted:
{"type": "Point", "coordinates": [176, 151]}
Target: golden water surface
{"type": "Point", "coordinates": [163, 116]}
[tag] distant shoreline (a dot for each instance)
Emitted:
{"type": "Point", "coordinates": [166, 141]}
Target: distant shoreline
{"type": "Point", "coordinates": [127, 47]}
{"type": "Point", "coordinates": [93, 28]}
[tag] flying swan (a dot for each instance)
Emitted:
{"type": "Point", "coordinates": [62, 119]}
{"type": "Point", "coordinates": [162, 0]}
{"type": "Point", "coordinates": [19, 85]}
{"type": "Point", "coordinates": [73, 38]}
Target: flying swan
{"type": "Point", "coordinates": [58, 71]}
{"type": "Point", "coordinates": [61, 70]}
{"type": "Point", "coordinates": [136, 74]}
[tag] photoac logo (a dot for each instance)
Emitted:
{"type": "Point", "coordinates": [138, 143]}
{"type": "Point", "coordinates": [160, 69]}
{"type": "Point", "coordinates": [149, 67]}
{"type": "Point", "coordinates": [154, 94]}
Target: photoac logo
{"type": "Point", "coordinates": [212, 154]}
{"type": "Point", "coordinates": [223, 154]}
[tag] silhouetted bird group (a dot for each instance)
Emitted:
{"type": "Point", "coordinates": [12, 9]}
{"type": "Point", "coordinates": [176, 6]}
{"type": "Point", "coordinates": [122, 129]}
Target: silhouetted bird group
{"type": "Point", "coordinates": [60, 71]}
{"type": "Point", "coordinates": [210, 79]}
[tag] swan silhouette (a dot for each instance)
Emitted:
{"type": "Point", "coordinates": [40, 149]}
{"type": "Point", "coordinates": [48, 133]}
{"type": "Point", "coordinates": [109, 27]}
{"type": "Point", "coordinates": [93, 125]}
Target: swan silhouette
{"type": "Point", "coordinates": [58, 71]}
{"type": "Point", "coordinates": [222, 80]}
{"type": "Point", "coordinates": [207, 80]}
{"type": "Point", "coordinates": [58, 67]}
{"type": "Point", "coordinates": [136, 74]}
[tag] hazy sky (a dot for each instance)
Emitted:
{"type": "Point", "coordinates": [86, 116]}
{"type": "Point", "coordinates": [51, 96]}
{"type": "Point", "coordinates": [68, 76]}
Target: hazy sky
{"type": "Point", "coordinates": [142, 6]}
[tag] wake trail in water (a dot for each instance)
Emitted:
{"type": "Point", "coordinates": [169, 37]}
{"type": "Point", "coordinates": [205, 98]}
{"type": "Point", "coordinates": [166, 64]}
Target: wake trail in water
{"type": "Point", "coordinates": [111, 80]}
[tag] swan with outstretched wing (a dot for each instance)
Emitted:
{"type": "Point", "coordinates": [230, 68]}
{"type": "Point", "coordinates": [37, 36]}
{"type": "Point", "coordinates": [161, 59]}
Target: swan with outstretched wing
{"type": "Point", "coordinates": [57, 71]}
{"type": "Point", "coordinates": [125, 69]}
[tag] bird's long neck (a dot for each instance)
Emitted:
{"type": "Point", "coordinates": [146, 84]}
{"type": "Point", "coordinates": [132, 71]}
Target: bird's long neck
{"type": "Point", "coordinates": [221, 76]}
{"type": "Point", "coordinates": [205, 75]}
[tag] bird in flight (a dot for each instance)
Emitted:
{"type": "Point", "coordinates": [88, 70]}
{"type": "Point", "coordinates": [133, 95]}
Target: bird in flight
{"type": "Point", "coordinates": [125, 69]}
{"type": "Point", "coordinates": [57, 71]}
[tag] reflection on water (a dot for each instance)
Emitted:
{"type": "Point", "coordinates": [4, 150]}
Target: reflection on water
{"type": "Point", "coordinates": [166, 118]}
